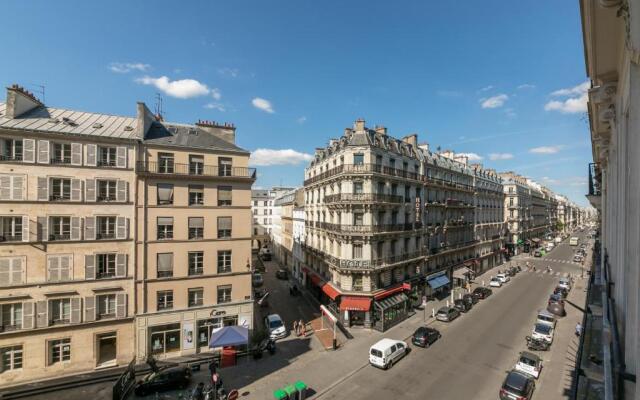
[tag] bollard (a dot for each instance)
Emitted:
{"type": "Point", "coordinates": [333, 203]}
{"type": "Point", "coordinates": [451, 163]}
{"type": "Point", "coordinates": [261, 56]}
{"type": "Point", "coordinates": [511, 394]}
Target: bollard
{"type": "Point", "coordinates": [482, 283]}
{"type": "Point", "coordinates": [433, 313]}
{"type": "Point", "coordinates": [447, 303]}
{"type": "Point", "coordinates": [459, 295]}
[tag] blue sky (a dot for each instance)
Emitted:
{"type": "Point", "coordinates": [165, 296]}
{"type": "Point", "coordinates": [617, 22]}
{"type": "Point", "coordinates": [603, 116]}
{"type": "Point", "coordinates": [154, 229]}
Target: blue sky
{"type": "Point", "coordinates": [499, 79]}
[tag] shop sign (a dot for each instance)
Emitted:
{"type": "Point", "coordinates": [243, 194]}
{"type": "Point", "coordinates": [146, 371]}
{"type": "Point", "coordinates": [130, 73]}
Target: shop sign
{"type": "Point", "coordinates": [355, 263]}
{"type": "Point", "coordinates": [187, 335]}
{"type": "Point", "coordinates": [418, 206]}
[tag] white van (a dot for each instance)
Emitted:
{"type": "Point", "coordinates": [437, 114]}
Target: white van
{"type": "Point", "coordinates": [386, 352]}
{"type": "Point", "coordinates": [573, 241]}
{"type": "Point", "coordinates": [545, 317]}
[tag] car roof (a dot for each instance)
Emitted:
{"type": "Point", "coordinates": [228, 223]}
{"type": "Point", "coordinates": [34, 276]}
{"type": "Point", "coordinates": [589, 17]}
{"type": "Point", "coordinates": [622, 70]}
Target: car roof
{"type": "Point", "coordinates": [384, 343]}
{"type": "Point", "coordinates": [444, 308]}
{"type": "Point", "coordinates": [516, 379]}
{"type": "Point", "coordinates": [545, 313]}
{"type": "Point", "coordinates": [273, 317]}
{"type": "Point", "coordinates": [530, 356]}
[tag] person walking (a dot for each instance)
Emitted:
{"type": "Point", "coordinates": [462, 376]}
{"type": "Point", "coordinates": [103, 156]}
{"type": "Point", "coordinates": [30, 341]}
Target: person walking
{"type": "Point", "coordinates": [578, 329]}
{"type": "Point", "coordinates": [302, 328]}
{"type": "Point", "coordinates": [212, 367]}
{"type": "Point", "coordinates": [295, 328]}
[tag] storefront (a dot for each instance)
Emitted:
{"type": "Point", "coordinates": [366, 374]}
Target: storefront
{"type": "Point", "coordinates": [207, 327]}
{"type": "Point", "coordinates": [390, 308]}
{"type": "Point", "coordinates": [415, 290]}
{"type": "Point", "coordinates": [462, 276]}
{"type": "Point", "coordinates": [356, 311]}
{"type": "Point", "coordinates": [321, 289]}
{"type": "Point", "coordinates": [438, 285]}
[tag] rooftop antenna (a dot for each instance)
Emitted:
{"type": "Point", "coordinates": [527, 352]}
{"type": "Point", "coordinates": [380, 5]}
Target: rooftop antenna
{"type": "Point", "coordinates": [40, 91]}
{"type": "Point", "coordinates": [158, 109]}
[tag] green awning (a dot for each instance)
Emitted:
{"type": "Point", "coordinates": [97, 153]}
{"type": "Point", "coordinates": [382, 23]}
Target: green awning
{"type": "Point", "coordinates": [392, 301]}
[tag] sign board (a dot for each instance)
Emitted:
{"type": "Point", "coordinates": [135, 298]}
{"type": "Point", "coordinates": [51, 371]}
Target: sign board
{"type": "Point", "coordinates": [187, 335]}
{"type": "Point", "coordinates": [418, 208]}
{"type": "Point", "coordinates": [355, 263]}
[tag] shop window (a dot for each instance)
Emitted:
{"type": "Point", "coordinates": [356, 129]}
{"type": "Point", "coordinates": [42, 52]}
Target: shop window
{"type": "Point", "coordinates": [207, 327]}
{"type": "Point", "coordinates": [165, 338]}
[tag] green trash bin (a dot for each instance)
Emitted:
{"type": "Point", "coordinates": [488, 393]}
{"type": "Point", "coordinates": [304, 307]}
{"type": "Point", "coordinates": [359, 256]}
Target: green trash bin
{"type": "Point", "coordinates": [291, 391]}
{"type": "Point", "coordinates": [280, 395]}
{"type": "Point", "coordinates": [301, 387]}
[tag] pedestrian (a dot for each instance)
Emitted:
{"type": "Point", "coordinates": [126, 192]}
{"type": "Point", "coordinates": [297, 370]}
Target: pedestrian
{"type": "Point", "coordinates": [578, 329]}
{"type": "Point", "coordinates": [302, 328]}
{"type": "Point", "coordinates": [295, 327]}
{"type": "Point", "coordinates": [212, 367]}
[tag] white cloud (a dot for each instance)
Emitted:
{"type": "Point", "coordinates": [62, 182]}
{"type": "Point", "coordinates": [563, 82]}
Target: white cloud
{"type": "Point", "coordinates": [484, 89]}
{"type": "Point", "coordinates": [526, 86]}
{"type": "Point", "coordinates": [263, 104]}
{"type": "Point", "coordinates": [230, 72]}
{"type": "Point", "coordinates": [500, 156]}
{"type": "Point", "coordinates": [215, 106]}
{"type": "Point", "coordinates": [494, 101]}
{"type": "Point", "coordinates": [471, 156]}
{"type": "Point", "coordinates": [575, 103]}
{"type": "Point", "coordinates": [182, 88]}
{"type": "Point", "coordinates": [302, 120]}
{"type": "Point", "coordinates": [545, 149]}
{"type": "Point", "coordinates": [215, 93]}
{"type": "Point", "coordinates": [123, 68]}
{"type": "Point", "coordinates": [268, 157]}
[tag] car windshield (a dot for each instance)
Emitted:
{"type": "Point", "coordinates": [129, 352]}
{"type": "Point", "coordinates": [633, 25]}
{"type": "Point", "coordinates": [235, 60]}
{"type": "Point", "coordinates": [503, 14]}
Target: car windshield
{"type": "Point", "coordinates": [276, 323]}
{"type": "Point", "coordinates": [443, 310]}
{"type": "Point", "coordinates": [527, 361]}
{"type": "Point", "coordinates": [543, 329]}
{"type": "Point", "coordinates": [376, 353]}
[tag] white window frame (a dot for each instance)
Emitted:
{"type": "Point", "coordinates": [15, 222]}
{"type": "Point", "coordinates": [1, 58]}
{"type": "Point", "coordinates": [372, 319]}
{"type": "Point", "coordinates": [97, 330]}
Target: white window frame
{"type": "Point", "coordinates": [11, 353]}
{"type": "Point", "coordinates": [64, 350]}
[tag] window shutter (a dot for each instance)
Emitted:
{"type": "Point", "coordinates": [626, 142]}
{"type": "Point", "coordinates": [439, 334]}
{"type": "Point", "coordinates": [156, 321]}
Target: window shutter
{"type": "Point", "coordinates": [121, 191]}
{"type": "Point", "coordinates": [196, 222]}
{"type": "Point", "coordinates": [90, 228]}
{"type": "Point", "coordinates": [224, 223]}
{"type": "Point", "coordinates": [53, 268]}
{"type": "Point", "coordinates": [5, 272]}
{"type": "Point", "coordinates": [165, 220]}
{"type": "Point", "coordinates": [92, 149]}
{"type": "Point", "coordinates": [76, 310]}
{"type": "Point", "coordinates": [16, 271]}
{"type": "Point", "coordinates": [66, 271]}
{"type": "Point", "coordinates": [224, 193]}
{"type": "Point", "coordinates": [89, 309]}
{"type": "Point", "coordinates": [90, 190]}
{"type": "Point", "coordinates": [5, 187]}
{"type": "Point", "coordinates": [43, 231]}
{"type": "Point", "coordinates": [165, 262]}
{"type": "Point", "coordinates": [25, 228]}
{"type": "Point", "coordinates": [90, 266]}
{"type": "Point", "coordinates": [76, 190]}
{"type": "Point", "coordinates": [43, 189]}
{"type": "Point", "coordinates": [121, 228]}
{"type": "Point", "coordinates": [76, 153]}
{"type": "Point", "coordinates": [75, 228]}
{"type": "Point", "coordinates": [121, 305]}
{"type": "Point", "coordinates": [29, 150]}
{"type": "Point", "coordinates": [121, 265]}
{"type": "Point", "coordinates": [27, 315]}
{"type": "Point", "coordinates": [41, 314]}
{"type": "Point", "coordinates": [17, 188]}
{"type": "Point", "coordinates": [165, 193]}
{"type": "Point", "coordinates": [121, 157]}
{"type": "Point", "coordinates": [43, 152]}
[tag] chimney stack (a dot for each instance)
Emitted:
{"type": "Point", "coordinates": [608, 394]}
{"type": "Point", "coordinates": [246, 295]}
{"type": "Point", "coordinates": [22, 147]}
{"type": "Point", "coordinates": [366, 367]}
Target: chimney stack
{"type": "Point", "coordinates": [381, 130]}
{"type": "Point", "coordinates": [359, 125]}
{"type": "Point", "coordinates": [411, 139]}
{"type": "Point", "coordinates": [20, 101]}
{"type": "Point", "coordinates": [225, 131]}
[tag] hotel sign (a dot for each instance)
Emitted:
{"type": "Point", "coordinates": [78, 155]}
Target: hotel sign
{"type": "Point", "coordinates": [355, 263]}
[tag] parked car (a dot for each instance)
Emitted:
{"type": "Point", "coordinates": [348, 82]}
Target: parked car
{"type": "Point", "coordinates": [425, 336]}
{"type": "Point", "coordinates": [537, 253]}
{"type": "Point", "coordinates": [556, 309]}
{"type": "Point", "coordinates": [257, 280]}
{"type": "Point", "coordinates": [556, 298]}
{"type": "Point", "coordinates": [561, 291]}
{"type": "Point", "coordinates": [275, 326]}
{"type": "Point", "coordinates": [565, 283]}
{"type": "Point", "coordinates": [529, 363]}
{"type": "Point", "coordinates": [577, 258]}
{"type": "Point", "coordinates": [386, 352]}
{"type": "Point", "coordinates": [545, 317]}
{"type": "Point", "coordinates": [504, 278]}
{"type": "Point", "coordinates": [543, 332]}
{"type": "Point", "coordinates": [447, 314]}
{"type": "Point", "coordinates": [495, 282]}
{"type": "Point", "coordinates": [517, 386]}
{"type": "Point", "coordinates": [470, 299]}
{"type": "Point", "coordinates": [461, 305]}
{"type": "Point", "coordinates": [482, 292]}
{"type": "Point", "coordinates": [512, 271]}
{"type": "Point", "coordinates": [282, 274]}
{"type": "Point", "coordinates": [166, 379]}
{"type": "Point", "coordinates": [265, 253]}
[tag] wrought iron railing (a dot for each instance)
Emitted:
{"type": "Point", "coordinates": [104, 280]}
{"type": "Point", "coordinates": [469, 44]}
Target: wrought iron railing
{"type": "Point", "coordinates": [363, 197]}
{"type": "Point", "coordinates": [152, 167]}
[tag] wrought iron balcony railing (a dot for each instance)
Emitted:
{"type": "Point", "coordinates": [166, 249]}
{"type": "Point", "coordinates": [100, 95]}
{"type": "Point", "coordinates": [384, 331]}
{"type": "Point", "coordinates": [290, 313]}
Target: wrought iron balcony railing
{"type": "Point", "coordinates": [152, 167]}
{"type": "Point", "coordinates": [363, 198]}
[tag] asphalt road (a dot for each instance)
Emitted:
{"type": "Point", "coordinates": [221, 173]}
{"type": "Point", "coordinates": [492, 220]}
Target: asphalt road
{"type": "Point", "coordinates": [476, 350]}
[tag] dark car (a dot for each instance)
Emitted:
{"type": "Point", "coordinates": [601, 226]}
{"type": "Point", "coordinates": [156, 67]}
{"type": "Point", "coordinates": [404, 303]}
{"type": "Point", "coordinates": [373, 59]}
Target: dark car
{"type": "Point", "coordinates": [482, 292]}
{"type": "Point", "coordinates": [165, 379]}
{"type": "Point", "coordinates": [282, 274]}
{"type": "Point", "coordinates": [511, 271]}
{"type": "Point", "coordinates": [556, 309]}
{"type": "Point", "coordinates": [424, 337]}
{"type": "Point", "coordinates": [556, 298]}
{"type": "Point", "coordinates": [561, 291]}
{"type": "Point", "coordinates": [470, 299]}
{"type": "Point", "coordinates": [461, 305]}
{"type": "Point", "coordinates": [257, 280]}
{"type": "Point", "coordinates": [517, 385]}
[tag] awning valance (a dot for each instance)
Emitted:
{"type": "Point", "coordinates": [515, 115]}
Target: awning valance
{"type": "Point", "coordinates": [352, 303]}
{"type": "Point", "coordinates": [438, 282]}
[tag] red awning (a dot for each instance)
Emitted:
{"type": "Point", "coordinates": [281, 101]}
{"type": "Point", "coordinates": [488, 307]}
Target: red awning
{"type": "Point", "coordinates": [330, 291]}
{"type": "Point", "coordinates": [355, 303]}
{"type": "Point", "coordinates": [389, 292]}
{"type": "Point", "coordinates": [315, 278]}
{"type": "Point", "coordinates": [406, 286]}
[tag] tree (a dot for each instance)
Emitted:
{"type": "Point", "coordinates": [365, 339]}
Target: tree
{"type": "Point", "coordinates": [559, 225]}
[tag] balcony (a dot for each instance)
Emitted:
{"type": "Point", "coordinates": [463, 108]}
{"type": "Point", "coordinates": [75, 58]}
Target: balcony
{"type": "Point", "coordinates": [204, 171]}
{"type": "Point", "coordinates": [105, 236]}
{"type": "Point", "coordinates": [60, 161]}
{"type": "Point", "coordinates": [349, 198]}
{"type": "Point", "coordinates": [10, 238]}
{"type": "Point", "coordinates": [8, 157]}
{"type": "Point", "coordinates": [59, 237]}
{"type": "Point", "coordinates": [355, 169]}
{"type": "Point", "coordinates": [368, 229]}
{"type": "Point", "coordinates": [595, 180]}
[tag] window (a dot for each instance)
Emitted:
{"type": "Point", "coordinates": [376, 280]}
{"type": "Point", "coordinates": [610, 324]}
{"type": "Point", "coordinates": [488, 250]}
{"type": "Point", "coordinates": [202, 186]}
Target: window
{"type": "Point", "coordinates": [12, 150]}
{"type": "Point", "coordinates": [510, 201]}
{"type": "Point", "coordinates": [59, 311]}
{"type": "Point", "coordinates": [255, 211]}
{"type": "Point", "coordinates": [60, 189]}
{"type": "Point", "coordinates": [165, 228]}
{"type": "Point", "coordinates": [61, 153]}
{"type": "Point", "coordinates": [165, 265]}
{"type": "Point", "coordinates": [105, 228]}
{"type": "Point", "coordinates": [224, 195]}
{"type": "Point", "coordinates": [196, 227]}
{"type": "Point", "coordinates": [106, 191]}
{"type": "Point", "coordinates": [107, 156]}
{"type": "Point", "coordinates": [264, 212]}
{"type": "Point", "coordinates": [224, 261]}
{"type": "Point", "coordinates": [58, 268]}
{"type": "Point", "coordinates": [357, 187]}
{"type": "Point", "coordinates": [10, 229]}
{"type": "Point", "coordinates": [196, 262]}
{"type": "Point", "coordinates": [165, 338]}
{"type": "Point", "coordinates": [357, 251]}
{"type": "Point", "coordinates": [60, 228]}
{"type": "Point", "coordinates": [394, 189]}
{"type": "Point", "coordinates": [264, 221]}
{"type": "Point", "coordinates": [59, 350]}
{"type": "Point", "coordinates": [165, 163]}
{"type": "Point", "coordinates": [196, 165]}
{"type": "Point", "coordinates": [264, 203]}
{"type": "Point", "coordinates": [358, 159]}
{"type": "Point", "coordinates": [11, 316]}
{"type": "Point", "coordinates": [165, 193]}
{"type": "Point", "coordinates": [106, 306]}
{"type": "Point", "coordinates": [224, 294]}
{"type": "Point", "coordinates": [378, 159]}
{"type": "Point", "coordinates": [165, 300]}
{"type": "Point", "coordinates": [224, 166]}
{"type": "Point", "coordinates": [381, 187]}
{"type": "Point", "coordinates": [358, 219]}
{"type": "Point", "coordinates": [196, 195]}
{"type": "Point", "coordinates": [224, 227]}
{"type": "Point", "coordinates": [407, 194]}
{"type": "Point", "coordinates": [11, 358]}
{"type": "Point", "coordinates": [196, 297]}
{"type": "Point", "coordinates": [105, 266]}
{"type": "Point", "coordinates": [357, 283]}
